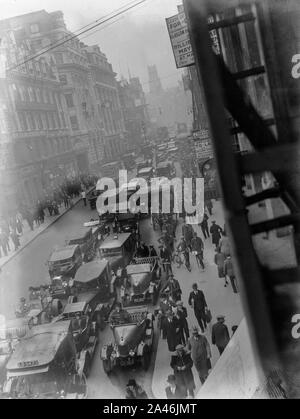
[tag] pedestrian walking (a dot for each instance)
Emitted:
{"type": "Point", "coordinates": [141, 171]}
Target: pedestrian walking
{"type": "Point", "coordinates": [166, 259]}
{"type": "Point", "coordinates": [135, 391]}
{"type": "Point", "coordinates": [171, 328]}
{"type": "Point", "coordinates": [201, 353]}
{"type": "Point", "coordinates": [181, 314]}
{"type": "Point", "coordinates": [220, 334]}
{"type": "Point", "coordinates": [224, 245]}
{"type": "Point", "coordinates": [187, 233]}
{"type": "Point", "coordinates": [3, 243]}
{"type": "Point", "coordinates": [198, 302]}
{"type": "Point", "coordinates": [220, 261]}
{"type": "Point", "coordinates": [172, 288]}
{"type": "Point", "coordinates": [19, 226]}
{"type": "Point", "coordinates": [204, 226]}
{"type": "Point", "coordinates": [152, 251]}
{"type": "Point", "coordinates": [197, 247]}
{"type": "Point", "coordinates": [215, 231]}
{"type": "Point", "coordinates": [15, 239]}
{"type": "Point", "coordinates": [182, 365]}
{"type": "Point", "coordinates": [208, 204]}
{"type": "Point", "coordinates": [83, 196]}
{"type": "Point", "coordinates": [229, 272]}
{"type": "Point", "coordinates": [173, 391]}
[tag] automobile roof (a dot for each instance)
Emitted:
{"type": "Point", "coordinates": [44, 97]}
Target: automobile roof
{"type": "Point", "coordinates": [75, 307]}
{"type": "Point", "coordinates": [79, 233]}
{"type": "Point", "coordinates": [116, 241]}
{"type": "Point", "coordinates": [145, 170]}
{"type": "Point", "coordinates": [163, 164]}
{"type": "Point", "coordinates": [63, 253]}
{"type": "Point", "coordinates": [39, 347]}
{"type": "Point", "coordinates": [90, 271]}
{"type": "Point", "coordinates": [138, 269]}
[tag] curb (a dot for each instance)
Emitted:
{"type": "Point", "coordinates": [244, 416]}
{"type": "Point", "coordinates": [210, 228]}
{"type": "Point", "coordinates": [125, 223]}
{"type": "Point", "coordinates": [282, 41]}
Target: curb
{"type": "Point", "coordinates": [16, 253]}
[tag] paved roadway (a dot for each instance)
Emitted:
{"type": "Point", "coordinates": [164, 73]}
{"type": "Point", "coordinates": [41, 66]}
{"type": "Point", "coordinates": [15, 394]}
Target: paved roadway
{"type": "Point", "coordinates": [29, 268]}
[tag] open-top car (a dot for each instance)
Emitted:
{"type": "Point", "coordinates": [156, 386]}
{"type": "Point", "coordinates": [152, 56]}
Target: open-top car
{"type": "Point", "coordinates": [40, 308]}
{"type": "Point", "coordinates": [133, 341]}
{"type": "Point", "coordinates": [142, 283]}
{"type": "Point", "coordinates": [84, 330]}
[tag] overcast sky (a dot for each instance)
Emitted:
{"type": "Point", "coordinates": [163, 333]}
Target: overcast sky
{"type": "Point", "coordinates": [136, 39]}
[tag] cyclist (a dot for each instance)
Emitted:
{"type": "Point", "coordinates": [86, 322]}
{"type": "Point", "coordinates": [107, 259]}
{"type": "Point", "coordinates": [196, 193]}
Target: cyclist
{"type": "Point", "coordinates": [183, 250]}
{"type": "Point", "coordinates": [197, 249]}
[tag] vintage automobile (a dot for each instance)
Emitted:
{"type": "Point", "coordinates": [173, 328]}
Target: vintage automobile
{"type": "Point", "coordinates": [84, 238]}
{"type": "Point", "coordinates": [142, 283]}
{"type": "Point", "coordinates": [40, 308]}
{"type": "Point", "coordinates": [132, 342]}
{"type": "Point", "coordinates": [11, 332]}
{"type": "Point", "coordinates": [118, 249]}
{"type": "Point", "coordinates": [64, 261]}
{"type": "Point", "coordinates": [129, 223]}
{"type": "Point", "coordinates": [84, 330]}
{"type": "Point", "coordinates": [44, 365]}
{"type": "Point", "coordinates": [93, 285]}
{"type": "Point", "coordinates": [145, 173]}
{"type": "Point", "coordinates": [143, 164]}
{"type": "Point", "coordinates": [99, 230]}
{"type": "Point", "coordinates": [165, 169]}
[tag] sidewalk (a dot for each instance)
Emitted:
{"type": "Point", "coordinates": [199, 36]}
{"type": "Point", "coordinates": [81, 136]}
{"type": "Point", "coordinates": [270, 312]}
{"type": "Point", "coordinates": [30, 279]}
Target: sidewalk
{"type": "Point", "coordinates": [220, 300]}
{"type": "Point", "coordinates": [28, 235]}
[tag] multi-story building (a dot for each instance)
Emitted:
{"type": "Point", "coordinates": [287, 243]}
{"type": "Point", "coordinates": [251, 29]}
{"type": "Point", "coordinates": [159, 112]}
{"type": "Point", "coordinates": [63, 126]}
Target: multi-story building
{"type": "Point", "coordinates": [87, 82]}
{"type": "Point", "coordinates": [107, 103]}
{"type": "Point", "coordinates": [35, 138]}
{"type": "Point", "coordinates": [135, 111]}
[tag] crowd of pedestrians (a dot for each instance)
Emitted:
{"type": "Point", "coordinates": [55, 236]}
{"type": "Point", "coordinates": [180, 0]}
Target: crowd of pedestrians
{"type": "Point", "coordinates": [12, 225]}
{"type": "Point", "coordinates": [191, 345]}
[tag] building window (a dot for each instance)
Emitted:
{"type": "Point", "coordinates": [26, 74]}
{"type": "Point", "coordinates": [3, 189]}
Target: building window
{"type": "Point", "coordinates": [69, 100]}
{"type": "Point", "coordinates": [39, 121]}
{"type": "Point", "coordinates": [63, 119]}
{"type": "Point", "coordinates": [45, 96]}
{"type": "Point", "coordinates": [74, 122]}
{"type": "Point", "coordinates": [31, 94]}
{"type": "Point", "coordinates": [23, 121]}
{"type": "Point", "coordinates": [34, 28]}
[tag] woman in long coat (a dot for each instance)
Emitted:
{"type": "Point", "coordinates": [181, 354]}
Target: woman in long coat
{"type": "Point", "coordinates": [182, 365]}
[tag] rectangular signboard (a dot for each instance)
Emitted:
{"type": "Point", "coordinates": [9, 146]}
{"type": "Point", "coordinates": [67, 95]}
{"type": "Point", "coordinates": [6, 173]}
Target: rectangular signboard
{"type": "Point", "coordinates": [180, 40]}
{"type": "Point", "coordinates": [202, 144]}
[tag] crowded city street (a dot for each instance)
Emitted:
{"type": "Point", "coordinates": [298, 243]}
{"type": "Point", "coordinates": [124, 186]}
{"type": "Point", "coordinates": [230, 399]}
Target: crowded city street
{"type": "Point", "coordinates": [149, 201]}
{"type": "Point", "coordinates": [20, 273]}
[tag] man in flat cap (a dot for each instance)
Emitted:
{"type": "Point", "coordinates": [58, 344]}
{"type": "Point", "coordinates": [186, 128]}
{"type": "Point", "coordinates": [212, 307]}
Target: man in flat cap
{"type": "Point", "coordinates": [220, 334]}
{"type": "Point", "coordinates": [182, 365]}
{"type": "Point", "coordinates": [201, 353]}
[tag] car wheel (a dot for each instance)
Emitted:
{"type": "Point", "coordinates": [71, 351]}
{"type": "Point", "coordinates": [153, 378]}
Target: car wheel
{"type": "Point", "coordinates": [107, 366]}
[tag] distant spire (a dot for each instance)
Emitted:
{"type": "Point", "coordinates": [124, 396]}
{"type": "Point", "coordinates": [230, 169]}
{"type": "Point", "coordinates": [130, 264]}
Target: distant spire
{"type": "Point", "coordinates": [129, 74]}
